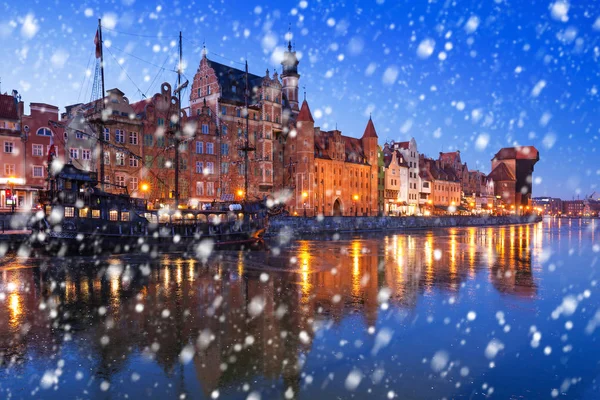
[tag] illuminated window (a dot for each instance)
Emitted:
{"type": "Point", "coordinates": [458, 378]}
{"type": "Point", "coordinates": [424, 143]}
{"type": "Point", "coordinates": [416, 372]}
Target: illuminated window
{"type": "Point", "coordinates": [113, 215]}
{"type": "Point", "coordinates": [83, 213]}
{"type": "Point", "coordinates": [95, 213]}
{"type": "Point", "coordinates": [124, 216]}
{"type": "Point", "coordinates": [69, 212]}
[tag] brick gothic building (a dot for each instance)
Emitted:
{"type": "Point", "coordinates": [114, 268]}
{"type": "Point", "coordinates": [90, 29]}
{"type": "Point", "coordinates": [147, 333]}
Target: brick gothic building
{"type": "Point", "coordinates": [318, 171]}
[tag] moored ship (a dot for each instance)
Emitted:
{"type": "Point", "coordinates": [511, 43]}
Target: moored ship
{"type": "Point", "coordinates": [78, 216]}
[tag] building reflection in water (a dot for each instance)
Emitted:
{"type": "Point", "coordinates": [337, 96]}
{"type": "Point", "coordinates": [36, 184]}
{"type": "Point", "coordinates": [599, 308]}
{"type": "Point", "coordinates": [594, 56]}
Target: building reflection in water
{"type": "Point", "coordinates": [242, 322]}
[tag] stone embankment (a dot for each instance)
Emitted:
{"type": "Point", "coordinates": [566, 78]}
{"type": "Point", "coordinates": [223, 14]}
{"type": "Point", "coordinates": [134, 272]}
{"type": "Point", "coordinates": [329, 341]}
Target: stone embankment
{"type": "Point", "coordinates": [304, 226]}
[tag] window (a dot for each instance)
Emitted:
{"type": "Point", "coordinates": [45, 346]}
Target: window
{"type": "Point", "coordinates": [224, 110]}
{"type": "Point", "coordinates": [238, 112]}
{"type": "Point", "coordinates": [86, 154]}
{"type": "Point", "coordinates": [241, 169]}
{"type": "Point", "coordinates": [120, 159]}
{"type": "Point", "coordinates": [210, 188]}
{"type": "Point", "coordinates": [44, 132]}
{"type": "Point", "coordinates": [199, 147]}
{"type": "Point", "coordinates": [119, 136]}
{"type": "Point", "coordinates": [224, 167]}
{"type": "Point", "coordinates": [199, 188]}
{"type": "Point", "coordinates": [120, 180]}
{"type": "Point", "coordinates": [133, 138]}
{"type": "Point", "coordinates": [148, 139]}
{"type": "Point", "coordinates": [209, 148]}
{"type": "Point", "coordinates": [160, 122]}
{"type": "Point", "coordinates": [160, 161]}
{"type": "Point", "coordinates": [74, 154]}
{"type": "Point", "coordinates": [205, 129]}
{"type": "Point", "coordinates": [133, 184]}
{"type": "Point", "coordinates": [233, 88]}
{"type": "Point", "coordinates": [208, 90]}
{"type": "Point", "coordinates": [133, 161]}
{"type": "Point", "coordinates": [83, 213]}
{"type": "Point", "coordinates": [124, 216]}
{"type": "Point", "coordinates": [37, 149]}
{"type": "Point", "coordinates": [160, 141]}
{"type": "Point", "coordinates": [8, 147]}
{"type": "Point", "coordinates": [210, 167]}
{"type": "Point", "coordinates": [106, 178]}
{"type": "Point", "coordinates": [69, 212]}
{"type": "Point", "coordinates": [95, 213]}
{"type": "Point", "coordinates": [9, 169]}
{"type": "Point", "coordinates": [224, 130]}
{"type": "Point", "coordinates": [148, 161]}
{"type": "Point", "coordinates": [78, 134]}
{"type": "Point", "coordinates": [107, 158]}
{"type": "Point", "coordinates": [183, 164]}
{"type": "Point", "coordinates": [38, 171]}
{"type": "Point", "coordinates": [113, 215]}
{"type": "Point", "coordinates": [106, 135]}
{"type": "Point", "coordinates": [199, 92]}
{"type": "Point", "coordinates": [224, 149]}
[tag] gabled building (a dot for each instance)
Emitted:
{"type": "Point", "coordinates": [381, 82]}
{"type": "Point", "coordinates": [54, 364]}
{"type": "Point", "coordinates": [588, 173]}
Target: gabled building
{"type": "Point", "coordinates": [12, 165]}
{"type": "Point", "coordinates": [411, 154]}
{"type": "Point", "coordinates": [396, 182]}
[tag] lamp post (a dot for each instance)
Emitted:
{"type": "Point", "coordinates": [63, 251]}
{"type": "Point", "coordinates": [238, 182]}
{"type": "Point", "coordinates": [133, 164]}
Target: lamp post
{"type": "Point", "coordinates": [355, 198]}
{"type": "Point", "coordinates": [304, 197]}
{"type": "Point", "coordinates": [11, 184]}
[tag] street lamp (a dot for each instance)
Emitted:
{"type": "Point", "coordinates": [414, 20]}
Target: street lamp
{"type": "Point", "coordinates": [11, 184]}
{"type": "Point", "coordinates": [304, 196]}
{"type": "Point", "coordinates": [144, 187]}
{"type": "Point", "coordinates": [240, 193]}
{"type": "Point", "coordinates": [355, 198]}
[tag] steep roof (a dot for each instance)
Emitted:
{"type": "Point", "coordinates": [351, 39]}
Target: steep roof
{"type": "Point", "coordinates": [8, 107]}
{"type": "Point", "coordinates": [370, 130]}
{"type": "Point", "coordinates": [450, 157]}
{"type": "Point", "coordinates": [305, 115]}
{"type": "Point", "coordinates": [501, 173]}
{"type": "Point", "coordinates": [401, 145]}
{"type": "Point", "coordinates": [518, 153]}
{"type": "Point", "coordinates": [229, 76]}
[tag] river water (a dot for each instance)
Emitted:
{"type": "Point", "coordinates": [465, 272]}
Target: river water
{"type": "Point", "coordinates": [502, 312]}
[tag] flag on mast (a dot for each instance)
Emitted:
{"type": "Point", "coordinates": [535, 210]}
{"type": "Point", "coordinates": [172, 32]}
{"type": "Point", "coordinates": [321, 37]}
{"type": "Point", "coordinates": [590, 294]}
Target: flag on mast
{"type": "Point", "coordinates": [98, 44]}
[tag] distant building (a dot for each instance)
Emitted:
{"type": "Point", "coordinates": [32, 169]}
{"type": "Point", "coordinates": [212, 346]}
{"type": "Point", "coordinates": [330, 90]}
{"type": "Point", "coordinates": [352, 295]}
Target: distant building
{"type": "Point", "coordinates": [573, 208]}
{"type": "Point", "coordinates": [548, 205]}
{"type": "Point", "coordinates": [512, 169]}
{"type": "Point", "coordinates": [12, 166]}
{"type": "Point", "coordinates": [396, 182]}
{"type": "Point", "coordinates": [445, 184]}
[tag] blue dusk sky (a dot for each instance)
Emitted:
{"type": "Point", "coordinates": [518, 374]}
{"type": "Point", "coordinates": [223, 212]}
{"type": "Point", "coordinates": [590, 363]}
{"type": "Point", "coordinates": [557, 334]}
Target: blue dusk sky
{"type": "Point", "coordinates": [469, 75]}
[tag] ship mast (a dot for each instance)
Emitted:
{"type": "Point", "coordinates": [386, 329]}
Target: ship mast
{"type": "Point", "coordinates": [178, 127]}
{"type": "Point", "coordinates": [100, 125]}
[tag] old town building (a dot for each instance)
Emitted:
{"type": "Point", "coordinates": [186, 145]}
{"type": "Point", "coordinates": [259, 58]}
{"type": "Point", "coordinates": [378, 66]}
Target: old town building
{"type": "Point", "coordinates": [12, 166]}
{"type": "Point", "coordinates": [396, 182]}
{"type": "Point", "coordinates": [445, 184]}
{"type": "Point", "coordinates": [411, 155]}
{"type": "Point", "coordinates": [40, 127]}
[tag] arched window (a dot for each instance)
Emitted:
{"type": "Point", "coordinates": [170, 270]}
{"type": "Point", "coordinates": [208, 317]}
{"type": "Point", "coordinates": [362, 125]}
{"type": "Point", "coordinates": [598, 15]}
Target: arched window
{"type": "Point", "coordinates": [44, 132]}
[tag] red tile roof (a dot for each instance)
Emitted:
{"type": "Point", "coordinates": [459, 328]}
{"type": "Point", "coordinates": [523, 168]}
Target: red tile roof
{"type": "Point", "coordinates": [450, 157]}
{"type": "Point", "coordinates": [519, 153]}
{"type": "Point", "coordinates": [304, 115]}
{"type": "Point", "coordinates": [370, 130]}
{"type": "Point", "coordinates": [402, 145]}
{"type": "Point", "coordinates": [8, 107]}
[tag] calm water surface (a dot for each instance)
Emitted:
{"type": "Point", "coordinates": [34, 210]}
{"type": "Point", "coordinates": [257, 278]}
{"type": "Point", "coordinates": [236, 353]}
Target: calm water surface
{"type": "Point", "coordinates": [508, 312]}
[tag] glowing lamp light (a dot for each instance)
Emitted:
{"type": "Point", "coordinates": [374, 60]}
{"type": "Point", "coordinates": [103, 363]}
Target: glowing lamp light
{"type": "Point", "coordinates": [355, 197]}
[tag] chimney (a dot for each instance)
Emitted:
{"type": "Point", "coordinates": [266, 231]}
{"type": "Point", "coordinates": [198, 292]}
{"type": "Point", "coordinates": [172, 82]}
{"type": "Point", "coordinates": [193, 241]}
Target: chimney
{"type": "Point", "coordinates": [21, 107]}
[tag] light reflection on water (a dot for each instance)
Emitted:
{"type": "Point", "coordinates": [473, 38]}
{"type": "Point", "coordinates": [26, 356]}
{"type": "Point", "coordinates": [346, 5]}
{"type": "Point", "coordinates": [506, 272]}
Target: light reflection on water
{"type": "Point", "coordinates": [298, 321]}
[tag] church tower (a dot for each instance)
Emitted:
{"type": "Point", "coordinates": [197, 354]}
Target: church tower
{"type": "Point", "coordinates": [290, 77]}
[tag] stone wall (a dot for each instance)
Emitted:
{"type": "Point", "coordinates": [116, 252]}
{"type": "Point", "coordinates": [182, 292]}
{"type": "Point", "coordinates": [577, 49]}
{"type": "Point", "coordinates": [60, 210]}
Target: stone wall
{"type": "Point", "coordinates": [298, 226]}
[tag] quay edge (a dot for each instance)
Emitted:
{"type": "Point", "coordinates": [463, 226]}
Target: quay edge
{"type": "Point", "coordinates": [304, 226]}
